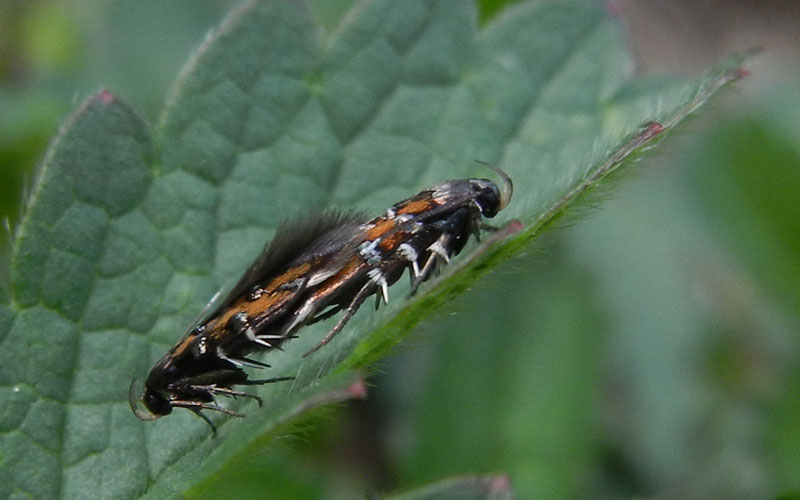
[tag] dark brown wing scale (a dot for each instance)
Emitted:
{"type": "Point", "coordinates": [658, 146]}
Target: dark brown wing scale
{"type": "Point", "coordinates": [313, 269]}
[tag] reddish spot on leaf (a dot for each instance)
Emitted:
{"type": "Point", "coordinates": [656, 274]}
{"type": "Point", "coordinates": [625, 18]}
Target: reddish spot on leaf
{"type": "Point", "coordinates": [500, 484]}
{"type": "Point", "coordinates": [613, 8]}
{"type": "Point", "coordinates": [105, 97]}
{"type": "Point", "coordinates": [514, 226]}
{"type": "Point", "coordinates": [358, 390]}
{"type": "Point", "coordinates": [653, 128]}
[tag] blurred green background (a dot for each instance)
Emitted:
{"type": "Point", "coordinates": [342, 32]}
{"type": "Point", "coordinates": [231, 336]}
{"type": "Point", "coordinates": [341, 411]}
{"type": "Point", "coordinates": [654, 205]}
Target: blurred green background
{"type": "Point", "coordinates": [651, 350]}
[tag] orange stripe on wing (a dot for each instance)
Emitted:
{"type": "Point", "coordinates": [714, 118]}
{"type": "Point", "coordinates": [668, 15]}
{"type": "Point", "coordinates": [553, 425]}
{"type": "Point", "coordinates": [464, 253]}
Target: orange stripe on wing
{"type": "Point", "coordinates": [341, 278]}
{"type": "Point", "coordinates": [288, 276]}
{"type": "Point", "coordinates": [392, 241]}
{"type": "Point", "coordinates": [253, 308]}
{"type": "Point", "coordinates": [380, 228]}
{"type": "Point", "coordinates": [417, 205]}
{"type": "Point", "coordinates": [185, 343]}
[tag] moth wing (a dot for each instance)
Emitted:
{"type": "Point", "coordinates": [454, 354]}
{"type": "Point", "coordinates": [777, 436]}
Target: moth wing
{"type": "Point", "coordinates": [295, 241]}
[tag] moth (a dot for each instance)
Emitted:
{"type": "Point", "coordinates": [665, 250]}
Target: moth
{"type": "Point", "coordinates": [312, 270]}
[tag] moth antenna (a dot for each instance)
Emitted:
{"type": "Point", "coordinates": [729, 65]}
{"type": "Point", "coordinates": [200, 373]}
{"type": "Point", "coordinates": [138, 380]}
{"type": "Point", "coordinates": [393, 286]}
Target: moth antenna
{"type": "Point", "coordinates": [508, 186]}
{"type": "Point", "coordinates": [134, 402]}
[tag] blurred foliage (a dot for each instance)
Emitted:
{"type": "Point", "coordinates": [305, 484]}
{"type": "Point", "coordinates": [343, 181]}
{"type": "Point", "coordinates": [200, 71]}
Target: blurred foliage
{"type": "Point", "coordinates": [526, 369]}
{"type": "Point", "coordinates": [746, 172]}
{"type": "Point", "coordinates": [671, 357]}
{"type": "Point", "coordinates": [750, 169]}
{"type": "Point", "coordinates": [651, 350]}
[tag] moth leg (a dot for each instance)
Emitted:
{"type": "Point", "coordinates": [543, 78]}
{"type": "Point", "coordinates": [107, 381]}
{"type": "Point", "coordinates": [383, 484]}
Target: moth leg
{"type": "Point", "coordinates": [227, 392]}
{"type": "Point", "coordinates": [263, 340]}
{"type": "Point", "coordinates": [260, 341]}
{"type": "Point", "coordinates": [359, 299]}
{"type": "Point", "coordinates": [266, 380]}
{"type": "Point", "coordinates": [377, 276]}
{"type": "Point", "coordinates": [438, 250]}
{"type": "Point", "coordinates": [446, 245]}
{"type": "Point", "coordinates": [239, 362]}
{"type": "Point", "coordinates": [198, 405]}
{"type": "Point", "coordinates": [307, 310]}
{"type": "Point", "coordinates": [327, 314]}
{"type": "Point", "coordinates": [410, 254]}
{"type": "Point", "coordinates": [202, 415]}
{"type": "Point", "coordinates": [219, 377]}
{"type": "Point", "coordinates": [240, 323]}
{"type": "Point", "coordinates": [283, 338]}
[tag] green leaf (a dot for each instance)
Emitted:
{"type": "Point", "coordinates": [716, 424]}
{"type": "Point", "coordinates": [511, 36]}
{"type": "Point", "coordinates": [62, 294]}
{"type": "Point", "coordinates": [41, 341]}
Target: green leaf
{"type": "Point", "coordinates": [746, 172]}
{"type": "Point", "coordinates": [526, 370]}
{"type": "Point", "coordinates": [462, 488]}
{"type": "Point", "coordinates": [65, 351]}
{"type": "Point", "coordinates": [128, 233]}
{"type": "Point", "coordinates": [759, 209]}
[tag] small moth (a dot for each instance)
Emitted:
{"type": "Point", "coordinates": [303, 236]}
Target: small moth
{"type": "Point", "coordinates": [312, 270]}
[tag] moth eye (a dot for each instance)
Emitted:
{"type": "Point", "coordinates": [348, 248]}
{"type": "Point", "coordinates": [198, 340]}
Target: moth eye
{"type": "Point", "coordinates": [157, 404]}
{"type": "Point", "coordinates": [489, 202]}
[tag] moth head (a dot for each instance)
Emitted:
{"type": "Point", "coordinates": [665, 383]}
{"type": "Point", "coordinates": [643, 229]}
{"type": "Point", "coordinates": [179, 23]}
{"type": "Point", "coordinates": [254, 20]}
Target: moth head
{"type": "Point", "coordinates": [489, 197]}
{"type": "Point", "coordinates": [156, 404]}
